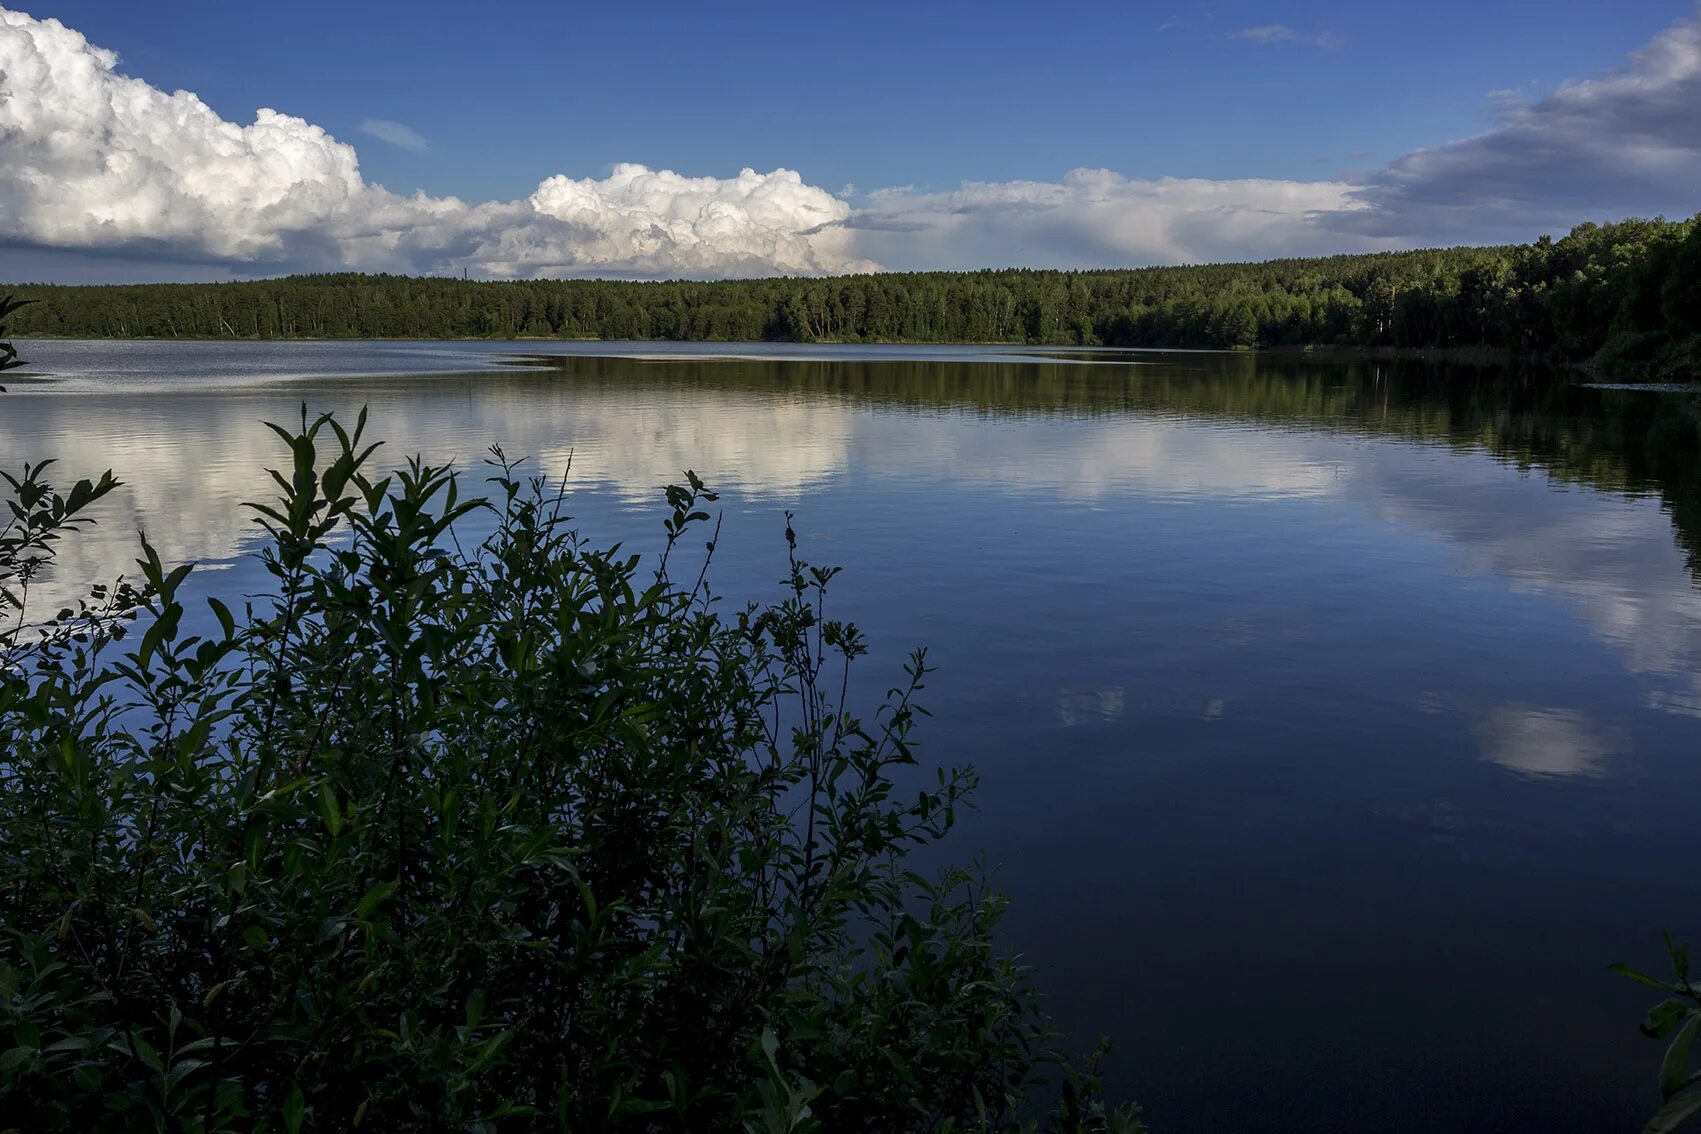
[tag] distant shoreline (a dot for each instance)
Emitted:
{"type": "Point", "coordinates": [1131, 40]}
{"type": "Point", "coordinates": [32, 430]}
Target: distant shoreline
{"type": "Point", "coordinates": [1328, 352]}
{"type": "Point", "coordinates": [1619, 297]}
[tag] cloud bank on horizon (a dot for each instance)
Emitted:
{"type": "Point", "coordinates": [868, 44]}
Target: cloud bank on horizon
{"type": "Point", "coordinates": [95, 161]}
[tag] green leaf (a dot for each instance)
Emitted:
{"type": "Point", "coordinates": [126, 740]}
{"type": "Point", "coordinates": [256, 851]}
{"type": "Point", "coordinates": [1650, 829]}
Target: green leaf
{"type": "Point", "coordinates": [1642, 978]}
{"type": "Point", "coordinates": [475, 1007]}
{"type": "Point", "coordinates": [1663, 1017]}
{"type": "Point", "coordinates": [295, 1106]}
{"type": "Point", "coordinates": [1677, 1110]}
{"type": "Point", "coordinates": [227, 623]}
{"type": "Point", "coordinates": [377, 894]}
{"type": "Point", "coordinates": [329, 811]}
{"type": "Point", "coordinates": [1675, 1068]}
{"type": "Point", "coordinates": [147, 1053]}
{"type": "Point", "coordinates": [183, 1068]}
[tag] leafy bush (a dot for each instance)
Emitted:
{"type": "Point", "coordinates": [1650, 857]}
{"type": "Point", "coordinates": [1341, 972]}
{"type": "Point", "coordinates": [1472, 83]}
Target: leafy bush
{"type": "Point", "coordinates": [522, 835]}
{"type": "Point", "coordinates": [1631, 349]}
{"type": "Point", "coordinates": [1676, 1019]}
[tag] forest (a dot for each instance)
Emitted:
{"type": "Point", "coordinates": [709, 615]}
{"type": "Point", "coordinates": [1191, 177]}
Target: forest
{"type": "Point", "coordinates": [1624, 296]}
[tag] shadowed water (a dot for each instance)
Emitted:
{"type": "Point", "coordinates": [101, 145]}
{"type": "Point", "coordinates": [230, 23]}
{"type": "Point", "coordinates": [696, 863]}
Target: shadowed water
{"type": "Point", "coordinates": [1337, 722]}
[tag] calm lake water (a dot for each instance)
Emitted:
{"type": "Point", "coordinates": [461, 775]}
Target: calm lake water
{"type": "Point", "coordinates": [1337, 723]}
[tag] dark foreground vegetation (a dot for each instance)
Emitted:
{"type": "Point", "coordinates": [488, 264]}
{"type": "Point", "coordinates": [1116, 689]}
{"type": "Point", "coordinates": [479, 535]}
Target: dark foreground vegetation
{"type": "Point", "coordinates": [468, 825]}
{"type": "Point", "coordinates": [1676, 1020]}
{"type": "Point", "coordinates": [1627, 295]}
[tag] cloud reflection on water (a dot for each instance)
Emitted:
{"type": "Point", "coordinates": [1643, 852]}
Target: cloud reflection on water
{"type": "Point", "coordinates": [1543, 742]}
{"type": "Point", "coordinates": [191, 452]}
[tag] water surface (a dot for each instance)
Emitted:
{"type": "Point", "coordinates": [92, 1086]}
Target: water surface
{"type": "Point", "coordinates": [1337, 723]}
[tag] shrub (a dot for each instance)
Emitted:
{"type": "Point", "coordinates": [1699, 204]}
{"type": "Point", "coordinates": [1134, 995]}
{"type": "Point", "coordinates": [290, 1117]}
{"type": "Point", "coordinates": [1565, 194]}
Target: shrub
{"type": "Point", "coordinates": [1632, 348]}
{"type": "Point", "coordinates": [520, 835]}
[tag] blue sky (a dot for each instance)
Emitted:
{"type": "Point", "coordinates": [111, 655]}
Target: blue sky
{"type": "Point", "coordinates": [875, 94]}
{"type": "Point", "coordinates": [860, 98]}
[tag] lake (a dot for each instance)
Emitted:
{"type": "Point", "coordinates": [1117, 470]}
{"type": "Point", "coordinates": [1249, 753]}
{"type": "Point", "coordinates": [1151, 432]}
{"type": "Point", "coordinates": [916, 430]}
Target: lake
{"type": "Point", "coordinates": [1337, 723]}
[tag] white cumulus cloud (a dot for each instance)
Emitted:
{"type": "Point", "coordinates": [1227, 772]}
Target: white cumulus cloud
{"type": "Point", "coordinates": [93, 159]}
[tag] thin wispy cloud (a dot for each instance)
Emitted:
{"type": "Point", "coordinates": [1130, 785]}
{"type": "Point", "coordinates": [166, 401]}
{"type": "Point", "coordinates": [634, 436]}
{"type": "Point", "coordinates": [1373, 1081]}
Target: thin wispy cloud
{"type": "Point", "coordinates": [395, 133]}
{"type": "Point", "coordinates": [1513, 96]}
{"type": "Point", "coordinates": [1281, 33]}
{"type": "Point", "coordinates": [1099, 218]}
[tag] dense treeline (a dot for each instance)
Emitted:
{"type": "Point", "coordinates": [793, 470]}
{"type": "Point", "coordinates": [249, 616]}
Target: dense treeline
{"type": "Point", "coordinates": [1625, 294]}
